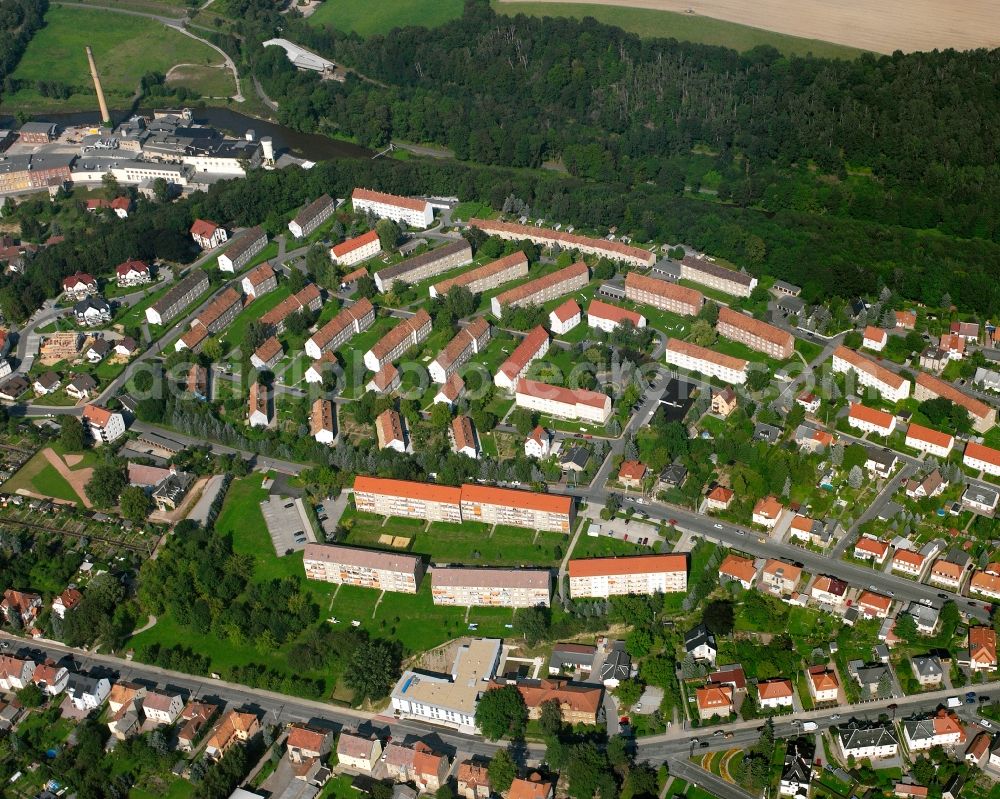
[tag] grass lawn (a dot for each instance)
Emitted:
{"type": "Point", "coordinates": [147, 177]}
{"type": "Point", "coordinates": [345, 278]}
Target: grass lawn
{"type": "Point", "coordinates": [124, 52]}
{"type": "Point", "coordinates": [209, 81]}
{"type": "Point", "coordinates": [371, 18]}
{"type": "Point", "coordinates": [807, 349]}
{"type": "Point", "coordinates": [355, 15]}
{"type": "Point", "coordinates": [604, 546]}
{"type": "Point", "coordinates": [234, 332]}
{"type": "Point", "coordinates": [176, 788]}
{"type": "Point", "coordinates": [467, 543]}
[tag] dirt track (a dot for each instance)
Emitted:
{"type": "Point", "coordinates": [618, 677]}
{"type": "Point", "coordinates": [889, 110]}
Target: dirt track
{"type": "Point", "coordinates": [879, 25]}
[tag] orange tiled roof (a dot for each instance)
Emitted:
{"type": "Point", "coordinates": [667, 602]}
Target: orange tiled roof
{"type": "Point", "coordinates": [632, 564]}
{"type": "Point", "coordinates": [934, 437]}
{"type": "Point", "coordinates": [738, 568]}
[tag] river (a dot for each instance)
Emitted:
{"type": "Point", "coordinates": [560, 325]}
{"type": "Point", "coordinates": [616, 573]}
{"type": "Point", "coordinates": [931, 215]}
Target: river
{"type": "Point", "coordinates": [313, 146]}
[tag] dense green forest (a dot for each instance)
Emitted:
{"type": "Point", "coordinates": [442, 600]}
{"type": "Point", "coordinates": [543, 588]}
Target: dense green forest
{"type": "Point", "coordinates": [841, 176]}
{"type": "Point", "coordinates": [19, 19]}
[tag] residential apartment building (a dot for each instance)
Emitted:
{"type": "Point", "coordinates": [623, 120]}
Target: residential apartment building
{"type": "Point", "coordinates": [430, 501]}
{"type": "Point", "coordinates": [930, 441]}
{"type": "Point", "coordinates": [703, 271]}
{"type": "Point", "coordinates": [242, 250]}
{"type": "Point", "coordinates": [322, 421]}
{"type": "Point", "coordinates": [103, 425]}
{"type": "Point", "coordinates": [470, 340]}
{"type": "Point", "coordinates": [542, 289]}
{"type": "Point", "coordinates": [579, 703]}
{"type": "Point", "coordinates": [888, 384]}
{"type": "Point", "coordinates": [408, 333]}
{"type": "Point", "coordinates": [260, 281]}
{"type": "Point", "coordinates": [757, 335]}
{"type": "Point", "coordinates": [177, 298]}
{"type": "Point", "coordinates": [871, 740]}
{"type": "Point", "coordinates": [938, 729]}
{"type": "Point", "coordinates": [162, 708]}
{"type": "Point", "coordinates": [390, 431]}
{"type": "Point", "coordinates": [133, 273]}
{"type": "Point", "coordinates": [345, 325]}
{"type": "Point", "coordinates": [450, 699]}
{"type": "Point", "coordinates": [259, 406]}
{"type": "Point", "coordinates": [607, 317]}
{"type": "Point", "coordinates": [463, 437]}
{"type": "Point", "coordinates": [694, 358]}
{"type": "Point", "coordinates": [365, 568]}
{"type": "Point", "coordinates": [663, 295]}
{"type": "Point", "coordinates": [386, 380]}
{"type": "Point", "coordinates": [450, 390]}
{"type": "Point", "coordinates": [928, 387]}
{"type": "Point", "coordinates": [354, 251]}
{"type": "Point", "coordinates": [986, 582]}
{"type": "Point", "coordinates": [426, 265]}
{"type": "Point", "coordinates": [489, 276]}
{"type": "Point", "coordinates": [549, 512]}
{"type": "Point", "coordinates": [545, 237]}
{"type": "Point", "coordinates": [235, 728]}
{"type": "Point", "coordinates": [312, 216]}
{"type": "Point", "coordinates": [564, 317]}
{"type": "Point", "coordinates": [982, 458]}
{"type": "Point", "coordinates": [207, 235]}
{"type": "Point", "coordinates": [637, 574]}
{"type": "Point", "coordinates": [532, 347]}
{"type": "Point", "coordinates": [309, 299]}
{"type": "Point", "coordinates": [494, 588]}
{"type": "Point", "coordinates": [871, 420]}
{"type": "Point", "coordinates": [566, 403]}
{"type": "Point", "coordinates": [415, 213]}
{"type": "Point", "coordinates": [478, 503]}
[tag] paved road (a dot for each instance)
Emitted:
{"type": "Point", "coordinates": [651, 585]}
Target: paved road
{"type": "Point", "coordinates": [873, 509]}
{"type": "Point", "coordinates": [277, 707]}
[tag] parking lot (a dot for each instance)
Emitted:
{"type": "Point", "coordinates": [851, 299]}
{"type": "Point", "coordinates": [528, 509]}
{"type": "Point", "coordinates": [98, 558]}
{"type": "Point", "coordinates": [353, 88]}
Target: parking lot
{"type": "Point", "coordinates": [287, 524]}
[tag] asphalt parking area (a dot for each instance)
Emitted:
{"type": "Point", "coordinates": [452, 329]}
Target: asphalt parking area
{"type": "Point", "coordinates": [287, 523]}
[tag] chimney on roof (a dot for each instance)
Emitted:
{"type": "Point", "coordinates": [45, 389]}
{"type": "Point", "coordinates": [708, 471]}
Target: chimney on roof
{"type": "Point", "coordinates": [105, 116]}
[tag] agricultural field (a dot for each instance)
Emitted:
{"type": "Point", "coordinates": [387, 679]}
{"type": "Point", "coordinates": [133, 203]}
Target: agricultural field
{"type": "Point", "coordinates": [649, 21]}
{"type": "Point", "coordinates": [209, 81]}
{"type": "Point", "coordinates": [881, 28]}
{"type": "Point", "coordinates": [124, 52]}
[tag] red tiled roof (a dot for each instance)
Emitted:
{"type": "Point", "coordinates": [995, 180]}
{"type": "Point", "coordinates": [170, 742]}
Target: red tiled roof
{"type": "Point", "coordinates": [356, 243]}
{"type": "Point", "coordinates": [632, 470]}
{"type": "Point", "coordinates": [567, 311]}
{"type": "Point", "coordinates": [604, 310]}
{"type": "Point", "coordinates": [566, 239]}
{"type": "Point", "coordinates": [670, 291]}
{"type": "Point", "coordinates": [870, 415]}
{"type": "Point", "coordinates": [96, 415]}
{"type": "Point", "coordinates": [524, 352]}
{"type": "Point", "coordinates": [880, 373]}
{"type": "Point", "coordinates": [875, 334]}
{"type": "Point", "coordinates": [982, 453]}
{"type": "Point", "coordinates": [756, 327]}
{"type": "Point", "coordinates": [976, 408]}
{"type": "Point", "coordinates": [774, 689]}
{"type": "Point", "coordinates": [921, 433]}
{"type": "Point", "coordinates": [741, 569]}
{"type": "Point", "coordinates": [539, 284]}
{"type": "Point", "coordinates": [528, 500]}
{"type": "Point", "coordinates": [204, 228]}
{"type": "Point", "coordinates": [632, 564]}
{"type": "Point", "coordinates": [568, 396]}
{"type": "Point", "coordinates": [705, 354]}
{"type": "Point", "coordinates": [769, 507]}
{"type": "Point", "coordinates": [388, 199]}
{"type": "Point", "coordinates": [131, 266]}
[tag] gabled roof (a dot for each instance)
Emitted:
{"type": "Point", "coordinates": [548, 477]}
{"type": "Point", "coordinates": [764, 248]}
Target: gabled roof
{"type": "Point", "coordinates": [566, 311]}
{"type": "Point", "coordinates": [738, 568]}
{"type": "Point", "coordinates": [777, 688]}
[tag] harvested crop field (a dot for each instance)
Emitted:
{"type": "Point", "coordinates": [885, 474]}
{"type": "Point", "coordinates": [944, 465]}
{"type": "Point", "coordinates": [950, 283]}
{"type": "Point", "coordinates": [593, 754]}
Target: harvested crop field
{"type": "Point", "coordinates": [882, 27]}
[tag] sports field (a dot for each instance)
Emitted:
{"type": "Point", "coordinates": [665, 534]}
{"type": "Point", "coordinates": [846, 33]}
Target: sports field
{"type": "Point", "coordinates": [125, 48]}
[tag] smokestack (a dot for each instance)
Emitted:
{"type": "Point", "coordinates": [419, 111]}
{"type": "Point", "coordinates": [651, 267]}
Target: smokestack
{"type": "Point", "coordinates": [105, 116]}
